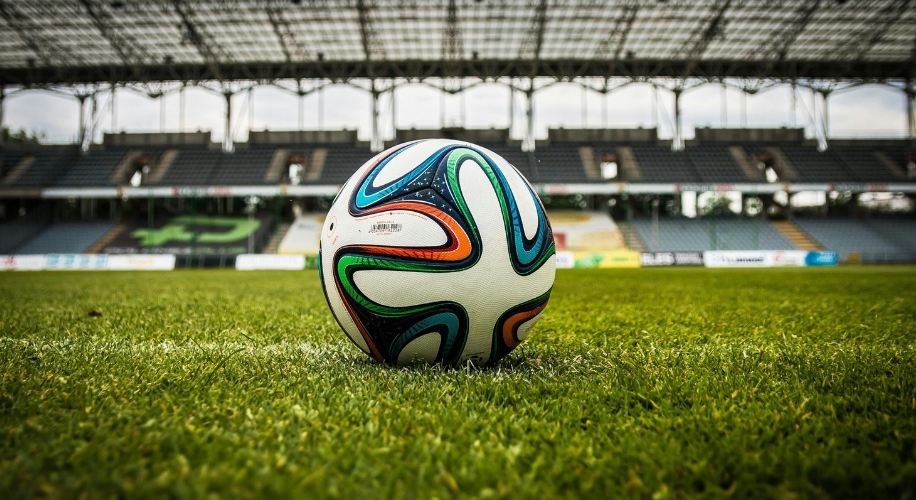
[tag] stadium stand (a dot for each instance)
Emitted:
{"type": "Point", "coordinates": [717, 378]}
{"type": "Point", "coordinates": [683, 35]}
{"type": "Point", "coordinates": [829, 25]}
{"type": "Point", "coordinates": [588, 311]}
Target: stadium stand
{"type": "Point", "coordinates": [560, 163]}
{"type": "Point", "coordinates": [660, 164]}
{"type": "Point", "coordinates": [66, 237]}
{"type": "Point", "coordinates": [192, 167]}
{"type": "Point", "coordinates": [902, 232]}
{"type": "Point", "coordinates": [846, 236]}
{"type": "Point", "coordinates": [243, 167]}
{"type": "Point", "coordinates": [14, 234]}
{"type": "Point", "coordinates": [715, 163]}
{"type": "Point", "coordinates": [92, 169]}
{"type": "Point", "coordinates": [863, 163]}
{"type": "Point", "coordinates": [46, 169]}
{"type": "Point", "coordinates": [681, 234]}
{"type": "Point", "coordinates": [341, 161]}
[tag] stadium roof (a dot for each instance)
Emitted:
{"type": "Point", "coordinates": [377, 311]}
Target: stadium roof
{"type": "Point", "coordinates": [113, 41]}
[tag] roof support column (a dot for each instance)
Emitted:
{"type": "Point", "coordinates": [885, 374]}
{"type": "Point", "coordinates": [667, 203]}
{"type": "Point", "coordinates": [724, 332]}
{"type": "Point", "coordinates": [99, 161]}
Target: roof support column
{"type": "Point", "coordinates": [511, 107]}
{"type": "Point", "coordinates": [824, 116]}
{"type": "Point", "coordinates": [678, 144]}
{"type": "Point", "coordinates": [374, 142]}
{"type": "Point", "coordinates": [910, 110]}
{"type": "Point", "coordinates": [81, 133]}
{"type": "Point", "coordinates": [181, 109]}
{"type": "Point", "coordinates": [724, 110]}
{"type": "Point", "coordinates": [114, 109]}
{"type": "Point", "coordinates": [227, 140]}
{"type": "Point", "coordinates": [2, 98]}
{"type": "Point", "coordinates": [529, 117]}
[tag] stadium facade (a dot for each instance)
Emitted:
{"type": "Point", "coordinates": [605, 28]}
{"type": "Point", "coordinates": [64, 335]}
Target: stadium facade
{"type": "Point", "coordinates": [127, 193]}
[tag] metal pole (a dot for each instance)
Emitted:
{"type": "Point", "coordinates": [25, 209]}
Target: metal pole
{"type": "Point", "coordinates": [511, 106]}
{"type": "Point", "coordinates": [161, 112]}
{"type": "Point", "coordinates": [82, 129]}
{"type": "Point", "coordinates": [394, 113]}
{"type": "Point", "coordinates": [374, 117]}
{"type": "Point", "coordinates": [911, 111]}
{"type": "Point", "coordinates": [713, 240]}
{"type": "Point", "coordinates": [250, 226]}
{"type": "Point", "coordinates": [529, 133]}
{"type": "Point", "coordinates": [227, 140]}
{"type": "Point", "coordinates": [826, 120]}
{"type": "Point", "coordinates": [114, 109]}
{"type": "Point", "coordinates": [744, 109]}
{"type": "Point", "coordinates": [464, 106]}
{"type": "Point", "coordinates": [193, 221]}
{"type": "Point", "coordinates": [655, 108]}
{"type": "Point", "coordinates": [584, 107]}
{"type": "Point", "coordinates": [93, 111]}
{"type": "Point", "coordinates": [441, 109]}
{"type": "Point", "coordinates": [250, 111]}
{"type": "Point", "coordinates": [794, 104]}
{"type": "Point", "coordinates": [181, 100]}
{"type": "Point", "coordinates": [277, 222]}
{"type": "Point", "coordinates": [724, 105]}
{"type": "Point", "coordinates": [301, 111]}
{"type": "Point", "coordinates": [2, 98]}
{"type": "Point", "coordinates": [321, 109]}
{"type": "Point", "coordinates": [655, 246]}
{"type": "Point", "coordinates": [678, 131]}
{"type": "Point", "coordinates": [149, 220]}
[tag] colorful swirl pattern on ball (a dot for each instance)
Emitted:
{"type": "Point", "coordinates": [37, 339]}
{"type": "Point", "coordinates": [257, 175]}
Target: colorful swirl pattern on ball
{"type": "Point", "coordinates": [432, 189]}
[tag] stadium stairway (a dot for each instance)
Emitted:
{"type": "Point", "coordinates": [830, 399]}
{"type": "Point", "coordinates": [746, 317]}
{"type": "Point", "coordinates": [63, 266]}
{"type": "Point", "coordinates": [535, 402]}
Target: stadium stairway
{"type": "Point", "coordinates": [162, 166]}
{"type": "Point", "coordinates": [784, 167]}
{"type": "Point", "coordinates": [587, 155]}
{"type": "Point", "coordinates": [629, 167]}
{"type": "Point", "coordinates": [750, 171]}
{"type": "Point", "coordinates": [892, 165]}
{"type": "Point", "coordinates": [799, 238]}
{"type": "Point", "coordinates": [275, 173]}
{"type": "Point", "coordinates": [630, 237]}
{"type": "Point", "coordinates": [121, 173]}
{"type": "Point", "coordinates": [102, 242]}
{"type": "Point", "coordinates": [316, 165]}
{"type": "Point", "coordinates": [18, 169]}
{"type": "Point", "coordinates": [275, 240]}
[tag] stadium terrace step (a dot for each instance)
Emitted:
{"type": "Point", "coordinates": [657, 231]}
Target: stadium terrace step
{"type": "Point", "coordinates": [750, 170]}
{"type": "Point", "coordinates": [799, 238]}
{"type": "Point", "coordinates": [99, 245]}
{"type": "Point", "coordinates": [277, 166]}
{"type": "Point", "coordinates": [316, 165]}
{"type": "Point", "coordinates": [162, 166]}
{"type": "Point", "coordinates": [629, 167]}
{"type": "Point", "coordinates": [784, 167]}
{"type": "Point", "coordinates": [892, 165]}
{"type": "Point", "coordinates": [631, 238]}
{"type": "Point", "coordinates": [587, 155]}
{"type": "Point", "coordinates": [121, 173]}
{"type": "Point", "coordinates": [277, 238]}
{"type": "Point", "coordinates": [18, 169]}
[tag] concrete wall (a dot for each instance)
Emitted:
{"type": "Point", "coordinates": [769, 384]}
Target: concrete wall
{"type": "Point", "coordinates": [302, 136]}
{"type": "Point", "coordinates": [601, 134]}
{"type": "Point", "coordinates": [157, 139]}
{"type": "Point", "coordinates": [749, 134]}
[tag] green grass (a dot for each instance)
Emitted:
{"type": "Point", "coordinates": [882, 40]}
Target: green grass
{"type": "Point", "coordinates": [661, 383]}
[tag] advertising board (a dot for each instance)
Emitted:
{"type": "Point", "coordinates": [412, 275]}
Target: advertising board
{"type": "Point", "coordinates": [75, 262]}
{"type": "Point", "coordinates": [141, 262]}
{"type": "Point", "coordinates": [768, 258]}
{"type": "Point", "coordinates": [22, 262]}
{"type": "Point", "coordinates": [652, 259]}
{"type": "Point", "coordinates": [251, 262]}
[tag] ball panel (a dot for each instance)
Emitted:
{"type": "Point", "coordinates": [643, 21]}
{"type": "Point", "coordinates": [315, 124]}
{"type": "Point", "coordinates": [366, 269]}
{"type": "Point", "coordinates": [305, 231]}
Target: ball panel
{"type": "Point", "coordinates": [424, 348]}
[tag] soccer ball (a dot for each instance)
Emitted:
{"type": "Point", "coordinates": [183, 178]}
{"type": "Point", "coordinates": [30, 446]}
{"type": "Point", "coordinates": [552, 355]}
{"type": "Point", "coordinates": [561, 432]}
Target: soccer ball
{"type": "Point", "coordinates": [437, 251]}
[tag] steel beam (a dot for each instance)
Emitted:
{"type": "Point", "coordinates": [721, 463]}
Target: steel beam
{"type": "Point", "coordinates": [48, 51]}
{"type": "Point", "coordinates": [127, 48]}
{"type": "Point", "coordinates": [372, 46]}
{"type": "Point", "coordinates": [613, 45]}
{"type": "Point", "coordinates": [534, 39]}
{"type": "Point", "coordinates": [293, 49]}
{"type": "Point", "coordinates": [700, 39]}
{"type": "Point", "coordinates": [197, 35]}
{"type": "Point", "coordinates": [565, 69]}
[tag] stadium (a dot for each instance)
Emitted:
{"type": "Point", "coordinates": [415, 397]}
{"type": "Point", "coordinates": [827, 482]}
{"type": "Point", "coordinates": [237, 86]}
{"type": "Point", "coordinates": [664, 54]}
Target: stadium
{"type": "Point", "coordinates": [734, 306]}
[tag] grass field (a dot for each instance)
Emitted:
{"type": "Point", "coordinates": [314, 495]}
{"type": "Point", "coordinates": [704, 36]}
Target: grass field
{"type": "Point", "coordinates": [646, 383]}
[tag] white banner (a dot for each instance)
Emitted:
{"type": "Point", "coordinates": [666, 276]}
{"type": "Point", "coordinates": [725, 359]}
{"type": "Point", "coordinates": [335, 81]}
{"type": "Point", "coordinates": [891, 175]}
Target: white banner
{"type": "Point", "coordinates": [755, 258]}
{"type": "Point", "coordinates": [22, 262]}
{"type": "Point", "coordinates": [252, 261]}
{"type": "Point", "coordinates": [565, 260]}
{"type": "Point", "coordinates": [140, 262]}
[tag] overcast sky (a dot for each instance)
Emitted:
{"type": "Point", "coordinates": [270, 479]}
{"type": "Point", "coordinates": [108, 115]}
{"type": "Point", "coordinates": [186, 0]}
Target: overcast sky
{"type": "Point", "coordinates": [866, 111]}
